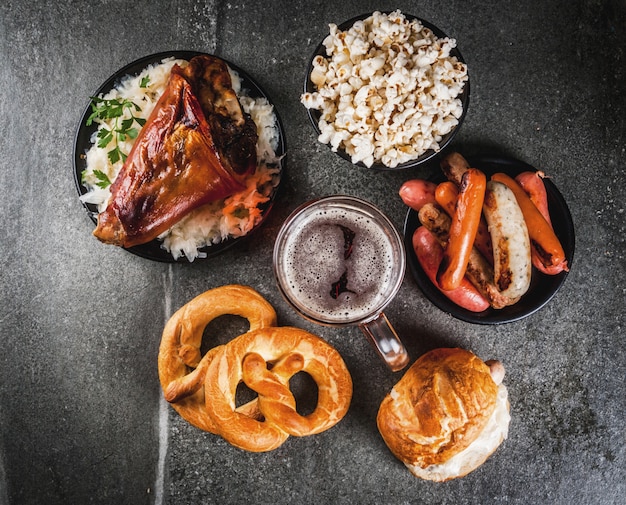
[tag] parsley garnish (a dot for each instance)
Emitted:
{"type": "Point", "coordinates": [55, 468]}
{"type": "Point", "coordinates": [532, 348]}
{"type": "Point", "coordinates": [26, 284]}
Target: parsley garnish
{"type": "Point", "coordinates": [144, 81]}
{"type": "Point", "coordinates": [103, 179]}
{"type": "Point", "coordinates": [122, 129]}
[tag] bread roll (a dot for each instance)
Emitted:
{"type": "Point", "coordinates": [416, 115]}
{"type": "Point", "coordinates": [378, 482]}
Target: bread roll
{"type": "Point", "coordinates": [446, 415]}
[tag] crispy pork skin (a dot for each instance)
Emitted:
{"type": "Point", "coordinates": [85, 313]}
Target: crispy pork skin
{"type": "Point", "coordinates": [196, 147]}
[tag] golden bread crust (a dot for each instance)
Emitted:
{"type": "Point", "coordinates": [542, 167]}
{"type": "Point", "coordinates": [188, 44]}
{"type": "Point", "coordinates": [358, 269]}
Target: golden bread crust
{"type": "Point", "coordinates": [203, 389]}
{"type": "Point", "coordinates": [288, 351]}
{"type": "Point", "coordinates": [182, 368]}
{"type": "Point", "coordinates": [438, 408]}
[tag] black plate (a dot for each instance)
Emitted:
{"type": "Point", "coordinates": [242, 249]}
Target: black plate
{"type": "Point", "coordinates": [314, 114]}
{"type": "Point", "coordinates": [542, 287]}
{"type": "Point", "coordinates": [152, 250]}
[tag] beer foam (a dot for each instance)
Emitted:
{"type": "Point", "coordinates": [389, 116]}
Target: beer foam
{"type": "Point", "coordinates": [314, 262]}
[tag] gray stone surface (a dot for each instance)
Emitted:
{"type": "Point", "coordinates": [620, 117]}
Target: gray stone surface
{"type": "Point", "coordinates": [81, 414]}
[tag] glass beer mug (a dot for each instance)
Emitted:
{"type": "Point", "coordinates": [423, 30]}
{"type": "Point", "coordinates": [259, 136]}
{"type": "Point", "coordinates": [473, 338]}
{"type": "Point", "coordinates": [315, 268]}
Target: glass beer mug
{"type": "Point", "coordinates": [339, 261]}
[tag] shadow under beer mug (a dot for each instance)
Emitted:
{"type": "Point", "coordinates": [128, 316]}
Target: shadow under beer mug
{"type": "Point", "coordinates": [339, 261]}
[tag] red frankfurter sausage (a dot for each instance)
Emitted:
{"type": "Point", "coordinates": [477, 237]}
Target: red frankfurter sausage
{"type": "Point", "coordinates": [463, 229]}
{"type": "Point", "coordinates": [429, 254]}
{"type": "Point", "coordinates": [446, 195]}
{"type": "Point", "coordinates": [532, 183]}
{"type": "Point", "coordinates": [417, 192]}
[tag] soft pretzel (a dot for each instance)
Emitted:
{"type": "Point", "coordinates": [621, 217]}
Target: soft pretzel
{"type": "Point", "coordinates": [265, 360]}
{"type": "Point", "coordinates": [182, 368]}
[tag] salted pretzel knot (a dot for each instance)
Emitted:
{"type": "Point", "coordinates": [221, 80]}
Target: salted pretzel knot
{"type": "Point", "coordinates": [182, 368]}
{"type": "Point", "coordinates": [265, 360]}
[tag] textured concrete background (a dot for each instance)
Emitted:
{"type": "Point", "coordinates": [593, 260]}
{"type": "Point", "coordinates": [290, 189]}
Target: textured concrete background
{"type": "Point", "coordinates": [81, 414]}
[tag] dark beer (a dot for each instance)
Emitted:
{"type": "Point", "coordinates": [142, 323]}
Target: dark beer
{"type": "Point", "coordinates": [337, 264]}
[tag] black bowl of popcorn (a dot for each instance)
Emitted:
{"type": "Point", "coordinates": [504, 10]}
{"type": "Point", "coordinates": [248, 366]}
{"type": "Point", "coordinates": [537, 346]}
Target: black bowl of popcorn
{"type": "Point", "coordinates": [386, 90]}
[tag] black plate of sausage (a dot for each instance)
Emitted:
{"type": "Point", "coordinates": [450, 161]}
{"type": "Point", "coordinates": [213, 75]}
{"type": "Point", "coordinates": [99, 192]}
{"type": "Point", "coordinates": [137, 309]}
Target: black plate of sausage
{"type": "Point", "coordinates": [542, 287]}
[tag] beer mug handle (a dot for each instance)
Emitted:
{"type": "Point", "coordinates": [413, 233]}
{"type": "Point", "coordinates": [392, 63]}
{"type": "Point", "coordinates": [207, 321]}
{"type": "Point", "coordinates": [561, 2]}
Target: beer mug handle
{"type": "Point", "coordinates": [386, 342]}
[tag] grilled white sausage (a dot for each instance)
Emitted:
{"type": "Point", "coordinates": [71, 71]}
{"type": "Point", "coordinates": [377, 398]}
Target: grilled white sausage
{"type": "Point", "coordinates": [509, 236]}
